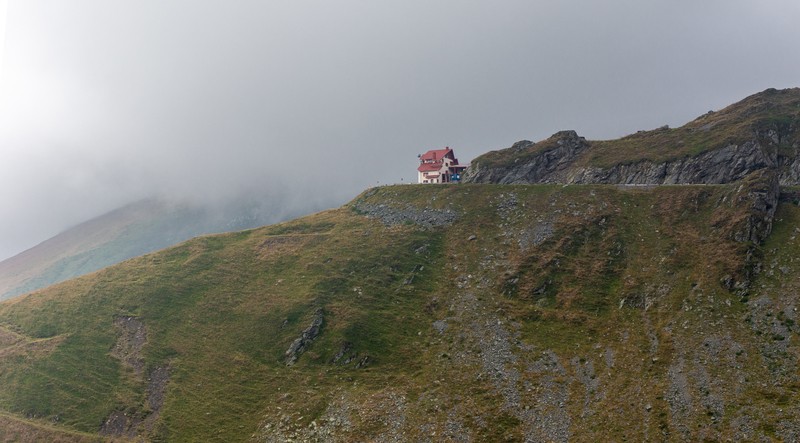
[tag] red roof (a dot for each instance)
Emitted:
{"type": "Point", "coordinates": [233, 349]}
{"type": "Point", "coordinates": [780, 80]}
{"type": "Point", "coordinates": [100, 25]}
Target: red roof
{"type": "Point", "coordinates": [428, 167]}
{"type": "Point", "coordinates": [435, 154]}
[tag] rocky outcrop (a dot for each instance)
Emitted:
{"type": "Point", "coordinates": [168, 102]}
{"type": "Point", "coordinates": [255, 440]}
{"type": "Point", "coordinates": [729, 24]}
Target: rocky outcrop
{"type": "Point", "coordinates": [761, 170]}
{"type": "Point", "coordinates": [755, 142]}
{"type": "Point", "coordinates": [728, 164]}
{"type": "Point", "coordinates": [760, 132]}
{"type": "Point", "coordinates": [789, 167]}
{"type": "Point", "coordinates": [300, 344]}
{"type": "Point", "coordinates": [551, 165]}
{"type": "Point", "coordinates": [762, 192]}
{"type": "Point", "coordinates": [759, 195]}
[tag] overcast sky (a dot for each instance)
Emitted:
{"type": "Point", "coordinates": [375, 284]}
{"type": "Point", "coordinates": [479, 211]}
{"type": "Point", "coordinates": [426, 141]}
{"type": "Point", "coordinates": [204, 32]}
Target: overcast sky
{"type": "Point", "coordinates": [103, 102]}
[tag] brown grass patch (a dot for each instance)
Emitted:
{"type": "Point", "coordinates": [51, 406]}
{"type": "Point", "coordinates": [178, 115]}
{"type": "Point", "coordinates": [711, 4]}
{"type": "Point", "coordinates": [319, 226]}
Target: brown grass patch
{"type": "Point", "coordinates": [13, 429]}
{"type": "Point", "coordinates": [32, 348]}
{"type": "Point", "coordinates": [9, 338]}
{"type": "Point", "coordinates": [278, 245]}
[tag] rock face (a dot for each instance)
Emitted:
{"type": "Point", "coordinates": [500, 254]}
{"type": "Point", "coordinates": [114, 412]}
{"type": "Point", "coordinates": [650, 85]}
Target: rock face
{"type": "Point", "coordinates": [760, 132]}
{"type": "Point", "coordinates": [550, 166]}
{"type": "Point", "coordinates": [763, 191]}
{"type": "Point", "coordinates": [558, 165]}
{"type": "Point", "coordinates": [755, 142]}
{"type": "Point", "coordinates": [760, 169]}
{"type": "Point", "coordinates": [300, 344]}
{"type": "Point", "coordinates": [725, 165]}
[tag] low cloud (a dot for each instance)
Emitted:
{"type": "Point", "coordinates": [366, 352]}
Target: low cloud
{"type": "Point", "coordinates": [105, 102]}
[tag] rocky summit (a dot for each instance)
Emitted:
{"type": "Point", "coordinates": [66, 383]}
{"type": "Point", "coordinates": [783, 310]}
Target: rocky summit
{"type": "Point", "coordinates": [758, 133]}
{"type": "Point", "coordinates": [549, 299]}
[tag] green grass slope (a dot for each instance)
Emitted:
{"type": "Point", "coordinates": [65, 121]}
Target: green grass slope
{"type": "Point", "coordinates": [130, 231]}
{"type": "Point", "coordinates": [447, 313]}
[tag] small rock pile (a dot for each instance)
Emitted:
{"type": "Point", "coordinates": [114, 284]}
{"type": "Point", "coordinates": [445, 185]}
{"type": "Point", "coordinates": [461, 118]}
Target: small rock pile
{"type": "Point", "coordinates": [391, 216]}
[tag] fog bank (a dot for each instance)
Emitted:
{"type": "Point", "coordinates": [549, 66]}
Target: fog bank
{"type": "Point", "coordinates": [104, 102]}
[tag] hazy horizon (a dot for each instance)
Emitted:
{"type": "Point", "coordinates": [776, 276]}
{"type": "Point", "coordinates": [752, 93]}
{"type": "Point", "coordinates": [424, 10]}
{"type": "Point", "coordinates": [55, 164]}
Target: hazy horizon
{"type": "Point", "coordinates": [105, 102]}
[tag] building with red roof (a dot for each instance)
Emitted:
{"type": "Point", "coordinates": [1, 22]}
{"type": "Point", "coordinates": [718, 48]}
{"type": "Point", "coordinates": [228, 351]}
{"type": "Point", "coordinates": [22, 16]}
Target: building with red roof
{"type": "Point", "coordinates": [439, 166]}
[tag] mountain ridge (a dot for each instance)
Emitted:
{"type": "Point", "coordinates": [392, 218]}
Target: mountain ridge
{"type": "Point", "coordinates": [469, 312]}
{"type": "Point", "coordinates": [758, 132]}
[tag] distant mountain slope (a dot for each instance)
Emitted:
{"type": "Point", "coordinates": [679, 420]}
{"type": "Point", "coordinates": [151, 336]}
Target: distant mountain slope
{"type": "Point", "coordinates": [761, 131]}
{"type": "Point", "coordinates": [127, 232]}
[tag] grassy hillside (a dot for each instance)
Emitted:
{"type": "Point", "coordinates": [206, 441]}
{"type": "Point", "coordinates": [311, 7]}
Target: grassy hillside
{"type": "Point", "coordinates": [446, 313]}
{"type": "Point", "coordinates": [127, 232]}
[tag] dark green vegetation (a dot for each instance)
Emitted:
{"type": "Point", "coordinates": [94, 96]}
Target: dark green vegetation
{"type": "Point", "coordinates": [588, 313]}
